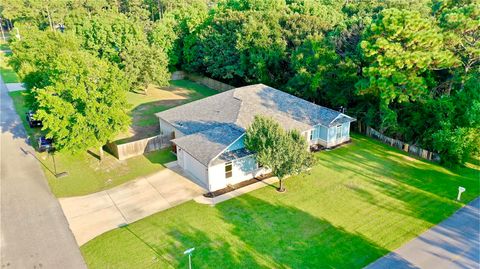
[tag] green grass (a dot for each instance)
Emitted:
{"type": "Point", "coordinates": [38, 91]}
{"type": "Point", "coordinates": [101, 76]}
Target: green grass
{"type": "Point", "coordinates": [198, 90]}
{"type": "Point", "coordinates": [194, 91]}
{"type": "Point", "coordinates": [4, 46]}
{"type": "Point", "coordinates": [85, 173]}
{"type": "Point", "coordinates": [88, 175]}
{"type": "Point", "coordinates": [360, 202]}
{"type": "Point", "coordinates": [8, 75]}
{"type": "Point", "coordinates": [144, 106]}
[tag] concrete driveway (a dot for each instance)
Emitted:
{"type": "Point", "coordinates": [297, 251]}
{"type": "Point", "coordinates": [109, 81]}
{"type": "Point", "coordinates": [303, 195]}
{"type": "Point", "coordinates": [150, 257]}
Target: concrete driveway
{"type": "Point", "coordinates": [94, 214]}
{"type": "Point", "coordinates": [454, 243]}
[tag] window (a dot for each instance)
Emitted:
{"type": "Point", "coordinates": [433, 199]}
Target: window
{"type": "Point", "coordinates": [311, 135]}
{"type": "Point", "coordinates": [259, 165]}
{"type": "Point", "coordinates": [228, 169]}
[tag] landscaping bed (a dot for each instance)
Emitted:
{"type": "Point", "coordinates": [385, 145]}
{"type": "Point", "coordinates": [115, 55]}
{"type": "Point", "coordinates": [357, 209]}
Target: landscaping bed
{"type": "Point", "coordinates": [358, 203]}
{"type": "Point", "coordinates": [237, 186]}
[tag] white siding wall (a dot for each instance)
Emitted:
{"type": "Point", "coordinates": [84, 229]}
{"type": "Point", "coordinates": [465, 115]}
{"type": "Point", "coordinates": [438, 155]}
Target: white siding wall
{"type": "Point", "coordinates": [165, 127]}
{"type": "Point", "coordinates": [216, 177]}
{"type": "Point", "coordinates": [243, 169]}
{"type": "Point", "coordinates": [332, 135]}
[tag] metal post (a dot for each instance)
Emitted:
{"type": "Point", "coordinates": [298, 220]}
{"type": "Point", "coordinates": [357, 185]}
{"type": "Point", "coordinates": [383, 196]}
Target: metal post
{"type": "Point", "coordinates": [18, 34]}
{"type": "Point", "coordinates": [54, 164]}
{"type": "Point", "coordinates": [189, 253]}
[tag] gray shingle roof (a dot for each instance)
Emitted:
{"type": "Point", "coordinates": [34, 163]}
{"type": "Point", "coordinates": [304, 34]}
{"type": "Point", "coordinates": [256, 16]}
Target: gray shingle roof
{"type": "Point", "coordinates": [208, 144]}
{"type": "Point", "coordinates": [236, 109]}
{"type": "Point", "coordinates": [232, 155]}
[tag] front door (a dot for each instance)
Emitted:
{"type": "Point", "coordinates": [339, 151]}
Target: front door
{"type": "Point", "coordinates": [339, 134]}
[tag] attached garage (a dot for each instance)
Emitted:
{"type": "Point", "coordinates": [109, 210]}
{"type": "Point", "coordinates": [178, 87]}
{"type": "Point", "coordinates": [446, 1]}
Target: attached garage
{"type": "Point", "coordinates": [197, 170]}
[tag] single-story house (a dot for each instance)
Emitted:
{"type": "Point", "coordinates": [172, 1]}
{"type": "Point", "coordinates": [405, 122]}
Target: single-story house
{"type": "Point", "coordinates": [208, 134]}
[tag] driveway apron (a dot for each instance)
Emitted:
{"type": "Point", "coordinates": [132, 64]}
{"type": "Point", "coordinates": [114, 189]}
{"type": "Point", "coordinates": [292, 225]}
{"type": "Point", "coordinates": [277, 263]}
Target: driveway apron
{"type": "Point", "coordinates": [94, 214]}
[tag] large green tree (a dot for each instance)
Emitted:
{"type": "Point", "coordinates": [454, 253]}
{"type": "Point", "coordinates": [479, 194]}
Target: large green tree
{"type": "Point", "coordinates": [284, 152]}
{"type": "Point", "coordinates": [460, 22]}
{"type": "Point", "coordinates": [108, 34]}
{"type": "Point", "coordinates": [144, 65]}
{"type": "Point", "coordinates": [177, 23]}
{"type": "Point", "coordinates": [35, 53]}
{"type": "Point", "coordinates": [403, 50]}
{"type": "Point", "coordinates": [85, 105]}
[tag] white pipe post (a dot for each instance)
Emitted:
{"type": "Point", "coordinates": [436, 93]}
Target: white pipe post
{"type": "Point", "coordinates": [460, 191]}
{"type": "Point", "coordinates": [189, 253]}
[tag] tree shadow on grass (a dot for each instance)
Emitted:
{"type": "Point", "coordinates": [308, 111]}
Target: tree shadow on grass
{"type": "Point", "coordinates": [426, 191]}
{"type": "Point", "coordinates": [210, 251]}
{"type": "Point", "coordinates": [292, 238]}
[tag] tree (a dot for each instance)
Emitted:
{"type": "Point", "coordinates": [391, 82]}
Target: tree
{"type": "Point", "coordinates": [108, 34]}
{"type": "Point", "coordinates": [321, 75]}
{"type": "Point", "coordinates": [144, 65]}
{"type": "Point", "coordinates": [85, 104]}
{"type": "Point", "coordinates": [284, 152]}
{"type": "Point", "coordinates": [460, 22]}
{"type": "Point", "coordinates": [403, 50]}
{"type": "Point", "coordinates": [34, 54]}
{"type": "Point", "coordinates": [176, 23]}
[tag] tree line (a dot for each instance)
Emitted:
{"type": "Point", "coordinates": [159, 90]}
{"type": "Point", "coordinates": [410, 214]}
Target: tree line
{"type": "Point", "coordinates": [407, 68]}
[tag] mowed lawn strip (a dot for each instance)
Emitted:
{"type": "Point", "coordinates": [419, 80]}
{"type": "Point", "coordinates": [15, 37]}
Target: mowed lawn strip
{"type": "Point", "coordinates": [7, 73]}
{"type": "Point", "coordinates": [360, 202]}
{"type": "Point", "coordinates": [86, 174]}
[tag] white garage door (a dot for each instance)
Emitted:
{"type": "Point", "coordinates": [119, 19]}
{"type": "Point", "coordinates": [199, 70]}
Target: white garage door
{"type": "Point", "coordinates": [195, 168]}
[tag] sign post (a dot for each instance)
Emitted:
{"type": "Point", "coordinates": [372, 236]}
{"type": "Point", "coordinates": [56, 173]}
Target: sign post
{"type": "Point", "coordinates": [189, 253]}
{"type": "Point", "coordinates": [460, 191]}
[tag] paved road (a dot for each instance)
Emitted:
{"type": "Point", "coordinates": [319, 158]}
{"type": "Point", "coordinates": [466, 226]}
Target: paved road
{"type": "Point", "coordinates": [93, 214]}
{"type": "Point", "coordinates": [454, 243]}
{"type": "Point", "coordinates": [34, 231]}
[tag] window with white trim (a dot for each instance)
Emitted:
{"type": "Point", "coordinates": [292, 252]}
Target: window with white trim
{"type": "Point", "coordinates": [228, 169]}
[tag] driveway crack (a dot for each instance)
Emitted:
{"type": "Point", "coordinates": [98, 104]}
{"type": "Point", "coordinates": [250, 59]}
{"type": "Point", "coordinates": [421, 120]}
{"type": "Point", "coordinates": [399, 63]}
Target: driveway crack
{"type": "Point", "coordinates": [116, 206]}
{"type": "Point", "coordinates": [158, 192]}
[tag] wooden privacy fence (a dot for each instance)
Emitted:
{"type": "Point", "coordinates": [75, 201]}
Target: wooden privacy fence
{"type": "Point", "coordinates": [411, 149]}
{"type": "Point", "coordinates": [209, 82]}
{"type": "Point", "coordinates": [139, 147]}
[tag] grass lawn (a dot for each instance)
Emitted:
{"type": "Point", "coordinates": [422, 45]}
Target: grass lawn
{"type": "Point", "coordinates": [143, 107]}
{"type": "Point", "coordinates": [360, 202]}
{"type": "Point", "coordinates": [8, 75]}
{"type": "Point", "coordinates": [85, 173]}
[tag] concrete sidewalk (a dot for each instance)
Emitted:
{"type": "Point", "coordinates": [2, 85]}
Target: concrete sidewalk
{"type": "Point", "coordinates": [34, 231]}
{"type": "Point", "coordinates": [94, 214]}
{"type": "Point", "coordinates": [454, 243]}
{"type": "Point", "coordinates": [13, 87]}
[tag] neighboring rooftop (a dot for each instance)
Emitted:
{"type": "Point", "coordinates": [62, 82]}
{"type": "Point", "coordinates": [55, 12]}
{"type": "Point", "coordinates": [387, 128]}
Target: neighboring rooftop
{"type": "Point", "coordinates": [239, 106]}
